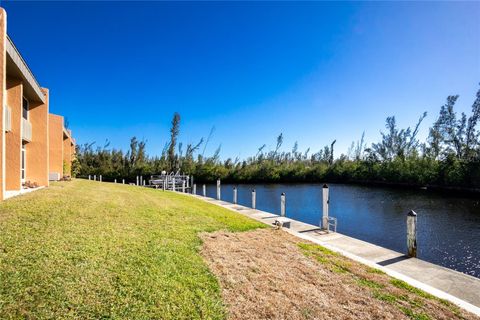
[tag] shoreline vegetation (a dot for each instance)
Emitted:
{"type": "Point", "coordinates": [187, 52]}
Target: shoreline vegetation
{"type": "Point", "coordinates": [448, 159]}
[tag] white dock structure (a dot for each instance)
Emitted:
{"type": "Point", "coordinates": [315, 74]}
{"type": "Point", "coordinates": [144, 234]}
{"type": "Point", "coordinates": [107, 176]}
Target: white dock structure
{"type": "Point", "coordinates": [171, 181]}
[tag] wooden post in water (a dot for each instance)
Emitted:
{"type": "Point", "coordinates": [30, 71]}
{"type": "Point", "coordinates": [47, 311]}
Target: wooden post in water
{"type": "Point", "coordinates": [282, 205]}
{"type": "Point", "coordinates": [218, 189]}
{"type": "Point", "coordinates": [183, 186]}
{"type": "Point", "coordinates": [326, 203]}
{"type": "Point", "coordinates": [194, 189]}
{"type": "Point", "coordinates": [234, 195]}
{"type": "Point", "coordinates": [412, 234]}
{"type": "Point", "coordinates": [254, 199]}
{"type": "Point", "coordinates": [204, 191]}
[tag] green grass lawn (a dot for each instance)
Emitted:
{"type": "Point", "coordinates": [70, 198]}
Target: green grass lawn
{"type": "Point", "coordinates": [93, 250]}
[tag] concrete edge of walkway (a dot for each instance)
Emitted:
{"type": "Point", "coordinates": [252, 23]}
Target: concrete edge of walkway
{"type": "Point", "coordinates": [9, 194]}
{"type": "Point", "coordinates": [395, 274]}
{"type": "Point", "coordinates": [413, 282]}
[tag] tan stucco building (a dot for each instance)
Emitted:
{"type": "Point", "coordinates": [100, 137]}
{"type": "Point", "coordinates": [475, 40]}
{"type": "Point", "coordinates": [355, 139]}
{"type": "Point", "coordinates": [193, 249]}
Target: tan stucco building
{"type": "Point", "coordinates": [35, 146]}
{"type": "Point", "coordinates": [61, 148]}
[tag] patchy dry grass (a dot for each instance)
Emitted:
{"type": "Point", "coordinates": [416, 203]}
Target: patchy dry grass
{"type": "Point", "coordinates": [266, 274]}
{"type": "Point", "coordinates": [413, 302]}
{"type": "Point", "coordinates": [86, 250]}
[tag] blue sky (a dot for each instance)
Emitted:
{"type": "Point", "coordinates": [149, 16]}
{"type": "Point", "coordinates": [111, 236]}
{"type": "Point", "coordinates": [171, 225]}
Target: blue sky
{"type": "Point", "coordinates": [314, 71]}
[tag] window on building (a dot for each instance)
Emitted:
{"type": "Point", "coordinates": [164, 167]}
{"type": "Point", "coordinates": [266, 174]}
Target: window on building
{"type": "Point", "coordinates": [25, 108]}
{"type": "Point", "coordinates": [24, 162]}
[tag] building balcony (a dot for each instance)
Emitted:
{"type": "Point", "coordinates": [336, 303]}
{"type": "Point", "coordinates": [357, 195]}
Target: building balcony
{"type": "Point", "coordinates": [26, 130]}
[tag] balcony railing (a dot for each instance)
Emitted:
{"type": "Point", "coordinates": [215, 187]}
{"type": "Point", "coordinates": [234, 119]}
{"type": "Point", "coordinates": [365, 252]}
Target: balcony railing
{"type": "Point", "coordinates": [26, 130]}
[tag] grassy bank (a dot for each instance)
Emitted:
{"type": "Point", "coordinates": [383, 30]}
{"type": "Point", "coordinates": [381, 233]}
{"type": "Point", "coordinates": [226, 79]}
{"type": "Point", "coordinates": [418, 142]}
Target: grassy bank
{"type": "Point", "coordinates": [88, 250]}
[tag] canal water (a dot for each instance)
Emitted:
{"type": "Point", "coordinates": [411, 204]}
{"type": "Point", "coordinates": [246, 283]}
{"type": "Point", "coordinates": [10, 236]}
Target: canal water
{"type": "Point", "coordinates": [448, 226]}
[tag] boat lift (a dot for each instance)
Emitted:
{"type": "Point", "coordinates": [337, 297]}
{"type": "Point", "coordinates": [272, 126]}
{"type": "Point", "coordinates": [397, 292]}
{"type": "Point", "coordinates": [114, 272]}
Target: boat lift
{"type": "Point", "coordinates": [174, 181]}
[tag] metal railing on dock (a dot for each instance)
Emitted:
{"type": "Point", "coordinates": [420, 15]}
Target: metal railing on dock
{"type": "Point", "coordinates": [171, 181]}
{"type": "Point", "coordinates": [165, 181]}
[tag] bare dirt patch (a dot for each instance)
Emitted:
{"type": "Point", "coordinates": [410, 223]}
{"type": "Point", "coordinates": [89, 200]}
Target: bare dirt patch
{"type": "Point", "coordinates": [268, 274]}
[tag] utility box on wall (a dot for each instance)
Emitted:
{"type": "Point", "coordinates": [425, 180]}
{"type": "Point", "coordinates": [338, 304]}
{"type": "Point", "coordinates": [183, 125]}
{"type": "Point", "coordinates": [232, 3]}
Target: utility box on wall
{"type": "Point", "coordinates": [54, 176]}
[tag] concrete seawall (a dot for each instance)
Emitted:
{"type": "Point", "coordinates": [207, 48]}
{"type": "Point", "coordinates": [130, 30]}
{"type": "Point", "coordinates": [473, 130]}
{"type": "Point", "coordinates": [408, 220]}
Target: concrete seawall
{"type": "Point", "coordinates": [456, 287]}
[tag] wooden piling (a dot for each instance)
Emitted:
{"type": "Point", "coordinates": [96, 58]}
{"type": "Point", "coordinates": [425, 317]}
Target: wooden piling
{"type": "Point", "coordinates": [218, 189]}
{"type": "Point", "coordinates": [326, 203]}
{"type": "Point", "coordinates": [254, 199]}
{"type": "Point", "coordinates": [234, 195]}
{"type": "Point", "coordinates": [412, 234]}
{"type": "Point", "coordinates": [282, 204]}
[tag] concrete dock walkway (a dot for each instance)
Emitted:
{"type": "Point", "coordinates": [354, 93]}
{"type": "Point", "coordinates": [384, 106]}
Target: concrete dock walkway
{"type": "Point", "coordinates": [458, 288]}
